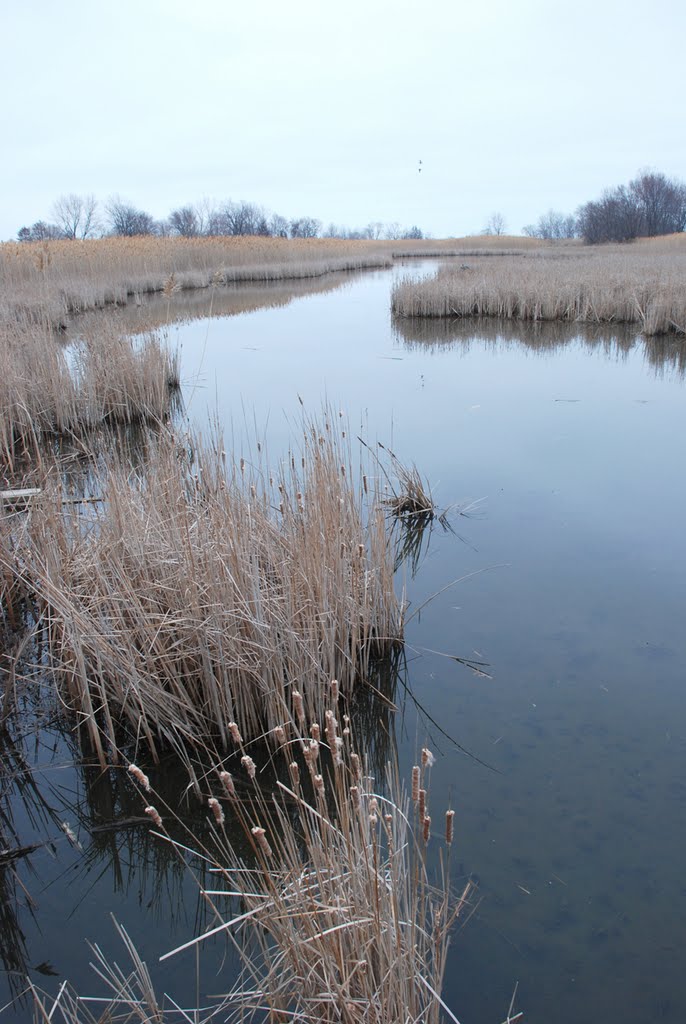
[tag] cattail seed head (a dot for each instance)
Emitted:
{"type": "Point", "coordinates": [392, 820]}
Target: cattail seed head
{"type": "Point", "coordinates": [153, 813]}
{"type": "Point", "coordinates": [315, 731]}
{"type": "Point", "coordinates": [427, 829]}
{"type": "Point", "coordinates": [415, 784]}
{"type": "Point", "coordinates": [140, 777]}
{"type": "Point", "coordinates": [449, 820]}
{"type": "Point", "coordinates": [298, 707]}
{"type": "Point", "coordinates": [318, 783]}
{"type": "Point", "coordinates": [216, 809]}
{"type": "Point", "coordinates": [355, 796]}
{"type": "Point", "coordinates": [428, 759]}
{"type": "Point", "coordinates": [235, 734]}
{"type": "Point", "coordinates": [334, 691]}
{"type": "Point", "coordinates": [294, 772]}
{"type": "Point", "coordinates": [279, 734]}
{"type": "Point", "coordinates": [249, 765]}
{"type": "Point", "coordinates": [261, 840]}
{"type": "Point", "coordinates": [356, 766]}
{"type": "Point", "coordinates": [227, 783]}
{"type": "Point", "coordinates": [422, 804]}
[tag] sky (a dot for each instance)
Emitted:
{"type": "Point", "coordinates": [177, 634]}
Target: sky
{"type": "Point", "coordinates": [322, 109]}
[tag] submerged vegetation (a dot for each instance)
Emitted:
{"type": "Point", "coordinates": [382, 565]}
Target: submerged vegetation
{"type": "Point", "coordinates": [643, 285]}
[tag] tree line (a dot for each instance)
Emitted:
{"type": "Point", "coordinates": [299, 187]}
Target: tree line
{"type": "Point", "coordinates": [81, 216]}
{"type": "Point", "coordinates": [651, 204]}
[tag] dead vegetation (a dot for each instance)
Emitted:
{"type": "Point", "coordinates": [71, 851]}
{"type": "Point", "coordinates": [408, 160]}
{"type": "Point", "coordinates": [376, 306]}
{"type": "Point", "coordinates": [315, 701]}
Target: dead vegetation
{"type": "Point", "coordinates": [642, 284]}
{"type": "Point", "coordinates": [197, 596]}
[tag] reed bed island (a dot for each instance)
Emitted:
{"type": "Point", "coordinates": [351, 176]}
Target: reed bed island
{"type": "Point", "coordinates": [642, 283]}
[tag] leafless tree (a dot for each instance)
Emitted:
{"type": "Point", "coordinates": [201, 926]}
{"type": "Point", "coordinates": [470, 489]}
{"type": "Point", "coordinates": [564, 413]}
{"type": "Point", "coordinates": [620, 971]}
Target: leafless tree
{"type": "Point", "coordinates": [650, 205]}
{"type": "Point", "coordinates": [39, 232]}
{"type": "Point", "coordinates": [305, 227]}
{"type": "Point", "coordinates": [76, 216]}
{"type": "Point", "coordinates": [552, 225]}
{"type": "Point", "coordinates": [125, 219]}
{"type": "Point", "coordinates": [184, 221]}
{"type": "Point", "coordinates": [495, 225]}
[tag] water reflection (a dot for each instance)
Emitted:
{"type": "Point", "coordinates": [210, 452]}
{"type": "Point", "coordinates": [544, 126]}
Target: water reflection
{"type": "Point", "coordinates": [665, 354]}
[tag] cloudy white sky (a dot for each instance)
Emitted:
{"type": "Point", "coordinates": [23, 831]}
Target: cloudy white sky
{"type": "Point", "coordinates": [325, 109]}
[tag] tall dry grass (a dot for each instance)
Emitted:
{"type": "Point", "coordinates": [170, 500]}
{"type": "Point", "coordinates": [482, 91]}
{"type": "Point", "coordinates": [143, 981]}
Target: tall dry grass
{"type": "Point", "coordinates": [54, 280]}
{"type": "Point", "coordinates": [642, 284]}
{"type": "Point", "coordinates": [199, 597]}
{"type": "Point", "coordinates": [321, 886]}
{"type": "Point", "coordinates": [48, 388]}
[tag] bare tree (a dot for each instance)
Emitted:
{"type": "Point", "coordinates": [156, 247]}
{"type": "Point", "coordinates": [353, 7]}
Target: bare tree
{"type": "Point", "coordinates": [305, 227]}
{"type": "Point", "coordinates": [552, 225]}
{"type": "Point", "coordinates": [76, 216]}
{"type": "Point", "coordinates": [495, 225]}
{"type": "Point", "coordinates": [184, 221]}
{"type": "Point", "coordinates": [125, 219]}
{"type": "Point", "coordinates": [39, 232]}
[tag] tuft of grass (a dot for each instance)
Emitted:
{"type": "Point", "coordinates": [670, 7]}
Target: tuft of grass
{"type": "Point", "coordinates": [200, 591]}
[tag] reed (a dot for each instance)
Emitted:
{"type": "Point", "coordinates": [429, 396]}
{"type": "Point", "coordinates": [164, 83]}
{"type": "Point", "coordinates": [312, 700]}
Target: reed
{"type": "Point", "coordinates": [642, 284]}
{"type": "Point", "coordinates": [201, 594]}
{"type": "Point", "coordinates": [321, 885]}
{"type": "Point", "coordinates": [48, 389]}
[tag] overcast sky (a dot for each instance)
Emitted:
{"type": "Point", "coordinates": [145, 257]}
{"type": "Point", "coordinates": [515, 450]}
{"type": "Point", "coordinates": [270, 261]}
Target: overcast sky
{"type": "Point", "coordinates": [325, 109]}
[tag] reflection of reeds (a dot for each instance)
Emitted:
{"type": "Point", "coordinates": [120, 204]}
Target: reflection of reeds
{"type": "Point", "coordinates": [432, 334]}
{"type": "Point", "coordinates": [643, 284]}
{"type": "Point", "coordinates": [198, 595]}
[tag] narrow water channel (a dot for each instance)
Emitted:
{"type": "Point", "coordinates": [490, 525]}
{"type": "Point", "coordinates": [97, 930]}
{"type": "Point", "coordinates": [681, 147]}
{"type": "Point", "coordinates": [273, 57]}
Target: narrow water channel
{"type": "Point", "coordinates": [559, 455]}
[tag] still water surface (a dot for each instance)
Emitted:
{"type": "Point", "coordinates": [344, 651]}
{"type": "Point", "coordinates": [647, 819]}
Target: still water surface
{"type": "Point", "coordinates": [565, 450]}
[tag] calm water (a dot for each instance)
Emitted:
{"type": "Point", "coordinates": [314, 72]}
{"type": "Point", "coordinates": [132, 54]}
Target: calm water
{"type": "Point", "coordinates": [568, 452]}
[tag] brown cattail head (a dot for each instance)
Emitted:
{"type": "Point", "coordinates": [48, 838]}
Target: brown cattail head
{"type": "Point", "coordinates": [331, 730]}
{"type": "Point", "coordinates": [298, 707]}
{"type": "Point", "coordinates": [294, 772]}
{"type": "Point", "coordinates": [280, 735]}
{"type": "Point", "coordinates": [216, 809]}
{"type": "Point", "coordinates": [153, 813]}
{"type": "Point", "coordinates": [449, 820]}
{"type": "Point", "coordinates": [227, 783]}
{"type": "Point", "coordinates": [318, 782]}
{"type": "Point", "coordinates": [334, 691]}
{"type": "Point", "coordinates": [356, 766]}
{"type": "Point", "coordinates": [427, 828]}
{"type": "Point", "coordinates": [422, 804]}
{"type": "Point", "coordinates": [235, 734]}
{"type": "Point", "coordinates": [261, 840]}
{"type": "Point", "coordinates": [315, 731]}
{"type": "Point", "coordinates": [249, 766]}
{"type": "Point", "coordinates": [355, 796]}
{"type": "Point", "coordinates": [415, 784]}
{"type": "Point", "coordinates": [428, 758]}
{"type": "Point", "coordinates": [140, 777]}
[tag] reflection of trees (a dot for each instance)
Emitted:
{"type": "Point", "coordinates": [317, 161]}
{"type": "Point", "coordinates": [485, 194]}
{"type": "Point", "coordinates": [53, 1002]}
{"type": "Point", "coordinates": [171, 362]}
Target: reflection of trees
{"type": "Point", "coordinates": [663, 353]}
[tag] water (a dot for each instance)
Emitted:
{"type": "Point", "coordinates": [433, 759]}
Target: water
{"type": "Point", "coordinates": [560, 453]}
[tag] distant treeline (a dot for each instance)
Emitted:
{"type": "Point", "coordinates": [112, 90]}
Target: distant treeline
{"type": "Point", "coordinates": [650, 205]}
{"type": "Point", "coordinates": [78, 216]}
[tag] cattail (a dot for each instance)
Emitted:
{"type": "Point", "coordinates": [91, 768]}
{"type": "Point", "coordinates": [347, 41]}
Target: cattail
{"type": "Point", "coordinates": [338, 752]}
{"type": "Point", "coordinates": [235, 734]}
{"type": "Point", "coordinates": [415, 784]}
{"type": "Point", "coordinates": [298, 707]}
{"type": "Point", "coordinates": [364, 483]}
{"type": "Point", "coordinates": [449, 818]}
{"type": "Point", "coordinates": [342, 470]}
{"type": "Point", "coordinates": [249, 765]}
{"type": "Point", "coordinates": [331, 730]}
{"type": "Point", "coordinates": [334, 691]}
{"type": "Point", "coordinates": [355, 796]}
{"type": "Point", "coordinates": [242, 465]}
{"type": "Point", "coordinates": [315, 732]}
{"type": "Point", "coordinates": [279, 734]}
{"type": "Point", "coordinates": [153, 813]}
{"type": "Point", "coordinates": [261, 840]}
{"type": "Point", "coordinates": [140, 776]}
{"type": "Point", "coordinates": [428, 759]}
{"type": "Point", "coordinates": [253, 490]}
{"type": "Point", "coordinates": [422, 804]}
{"type": "Point", "coordinates": [427, 828]}
{"type": "Point", "coordinates": [294, 773]}
{"type": "Point", "coordinates": [356, 766]}
{"type": "Point", "coordinates": [318, 783]}
{"type": "Point", "coordinates": [216, 809]}
{"type": "Point", "coordinates": [227, 782]}
{"type": "Point", "coordinates": [360, 550]}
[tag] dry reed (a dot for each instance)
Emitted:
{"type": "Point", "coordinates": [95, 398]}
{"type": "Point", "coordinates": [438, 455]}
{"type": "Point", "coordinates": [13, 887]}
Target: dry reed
{"type": "Point", "coordinates": [195, 595]}
{"type": "Point", "coordinates": [642, 284]}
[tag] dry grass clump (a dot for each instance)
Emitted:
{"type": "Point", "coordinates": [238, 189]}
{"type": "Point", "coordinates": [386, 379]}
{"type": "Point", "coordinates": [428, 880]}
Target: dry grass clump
{"type": "Point", "coordinates": [642, 284]}
{"type": "Point", "coordinates": [337, 918]}
{"type": "Point", "coordinates": [203, 599]}
{"type": "Point", "coordinates": [47, 388]}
